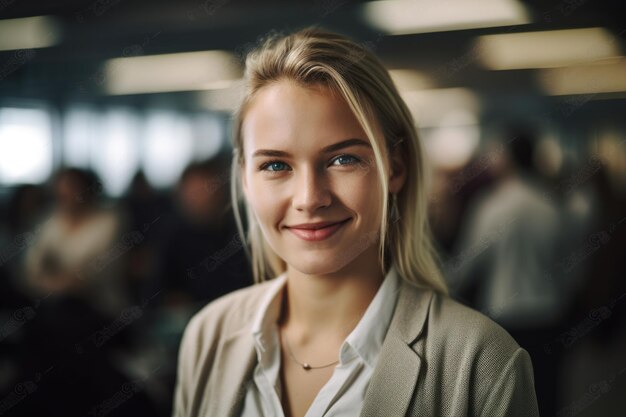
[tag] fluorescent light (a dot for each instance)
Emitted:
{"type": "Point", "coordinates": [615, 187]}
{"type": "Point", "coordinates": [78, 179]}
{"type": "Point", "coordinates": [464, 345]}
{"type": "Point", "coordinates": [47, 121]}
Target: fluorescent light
{"type": "Point", "coordinates": [546, 49]}
{"type": "Point", "coordinates": [398, 17]}
{"type": "Point", "coordinates": [601, 77]}
{"type": "Point", "coordinates": [430, 107]}
{"type": "Point", "coordinates": [28, 32]}
{"type": "Point", "coordinates": [224, 99]}
{"type": "Point", "coordinates": [410, 80]}
{"type": "Point", "coordinates": [451, 144]}
{"type": "Point", "coordinates": [187, 71]}
{"type": "Point", "coordinates": [448, 123]}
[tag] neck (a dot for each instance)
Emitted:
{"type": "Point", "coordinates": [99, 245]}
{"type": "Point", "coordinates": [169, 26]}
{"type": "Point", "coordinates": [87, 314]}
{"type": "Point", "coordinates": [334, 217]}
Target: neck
{"type": "Point", "coordinates": [329, 306]}
{"type": "Point", "coordinates": [73, 217]}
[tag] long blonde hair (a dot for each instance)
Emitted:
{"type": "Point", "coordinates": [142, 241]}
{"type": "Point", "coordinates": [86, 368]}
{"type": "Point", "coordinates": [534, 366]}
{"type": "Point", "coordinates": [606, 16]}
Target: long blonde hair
{"type": "Point", "coordinates": [315, 56]}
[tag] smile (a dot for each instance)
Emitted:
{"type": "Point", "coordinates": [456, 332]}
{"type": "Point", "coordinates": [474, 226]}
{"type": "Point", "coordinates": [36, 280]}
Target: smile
{"type": "Point", "coordinates": [313, 235]}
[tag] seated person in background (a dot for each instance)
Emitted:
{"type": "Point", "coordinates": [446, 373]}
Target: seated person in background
{"type": "Point", "coordinates": [202, 254]}
{"type": "Point", "coordinates": [76, 249]}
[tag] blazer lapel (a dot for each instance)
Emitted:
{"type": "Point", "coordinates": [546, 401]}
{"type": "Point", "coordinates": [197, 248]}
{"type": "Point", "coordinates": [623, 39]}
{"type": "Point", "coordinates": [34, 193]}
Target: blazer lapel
{"type": "Point", "coordinates": [398, 367]}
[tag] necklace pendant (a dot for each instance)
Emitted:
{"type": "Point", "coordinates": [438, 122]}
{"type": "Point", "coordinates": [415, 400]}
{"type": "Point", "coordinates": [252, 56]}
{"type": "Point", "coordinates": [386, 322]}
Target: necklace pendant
{"type": "Point", "coordinates": [306, 366]}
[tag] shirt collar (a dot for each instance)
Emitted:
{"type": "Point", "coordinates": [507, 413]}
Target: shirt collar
{"type": "Point", "coordinates": [366, 338]}
{"type": "Point", "coordinates": [268, 311]}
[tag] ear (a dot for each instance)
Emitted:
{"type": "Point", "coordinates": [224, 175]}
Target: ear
{"type": "Point", "coordinates": [397, 176]}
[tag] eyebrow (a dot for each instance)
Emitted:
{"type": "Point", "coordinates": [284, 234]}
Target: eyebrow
{"type": "Point", "coordinates": [331, 148]}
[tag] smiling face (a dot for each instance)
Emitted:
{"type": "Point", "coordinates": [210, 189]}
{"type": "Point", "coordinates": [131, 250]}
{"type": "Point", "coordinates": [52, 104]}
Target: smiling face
{"type": "Point", "coordinates": [312, 179]}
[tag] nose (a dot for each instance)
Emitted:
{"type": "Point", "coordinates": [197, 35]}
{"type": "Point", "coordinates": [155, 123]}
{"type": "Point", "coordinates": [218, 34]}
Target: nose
{"type": "Point", "coordinates": [311, 191]}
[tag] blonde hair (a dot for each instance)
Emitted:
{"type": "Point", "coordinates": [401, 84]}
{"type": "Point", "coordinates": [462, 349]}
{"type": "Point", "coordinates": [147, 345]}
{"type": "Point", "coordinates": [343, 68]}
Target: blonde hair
{"type": "Point", "coordinates": [312, 57]}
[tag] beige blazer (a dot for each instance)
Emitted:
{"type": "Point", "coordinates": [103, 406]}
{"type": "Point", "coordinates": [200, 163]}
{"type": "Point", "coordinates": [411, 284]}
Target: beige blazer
{"type": "Point", "coordinates": [439, 358]}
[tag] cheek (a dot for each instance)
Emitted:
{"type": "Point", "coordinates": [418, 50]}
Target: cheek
{"type": "Point", "coordinates": [262, 200]}
{"type": "Point", "coordinates": [368, 207]}
{"type": "Point", "coordinates": [362, 185]}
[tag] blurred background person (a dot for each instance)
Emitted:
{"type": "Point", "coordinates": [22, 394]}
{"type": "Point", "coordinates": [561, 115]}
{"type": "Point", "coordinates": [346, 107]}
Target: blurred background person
{"type": "Point", "coordinates": [74, 251]}
{"type": "Point", "coordinates": [146, 210]}
{"type": "Point", "coordinates": [503, 264]}
{"type": "Point", "coordinates": [24, 214]}
{"type": "Point", "coordinates": [601, 277]}
{"type": "Point", "coordinates": [79, 301]}
{"type": "Point", "coordinates": [594, 339]}
{"type": "Point", "coordinates": [202, 253]}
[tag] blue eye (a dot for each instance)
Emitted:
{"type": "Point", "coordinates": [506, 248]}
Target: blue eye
{"type": "Point", "coordinates": [347, 156]}
{"type": "Point", "coordinates": [264, 166]}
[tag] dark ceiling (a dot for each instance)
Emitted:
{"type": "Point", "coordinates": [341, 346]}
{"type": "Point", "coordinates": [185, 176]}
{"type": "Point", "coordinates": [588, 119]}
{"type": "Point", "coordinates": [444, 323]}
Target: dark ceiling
{"type": "Point", "coordinates": [96, 30]}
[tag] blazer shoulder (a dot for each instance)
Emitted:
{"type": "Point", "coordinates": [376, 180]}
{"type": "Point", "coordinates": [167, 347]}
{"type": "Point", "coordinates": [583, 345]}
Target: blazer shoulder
{"type": "Point", "coordinates": [202, 338]}
{"type": "Point", "coordinates": [471, 329]}
{"type": "Point", "coordinates": [230, 312]}
{"type": "Point", "coordinates": [498, 371]}
{"type": "Point", "coordinates": [470, 365]}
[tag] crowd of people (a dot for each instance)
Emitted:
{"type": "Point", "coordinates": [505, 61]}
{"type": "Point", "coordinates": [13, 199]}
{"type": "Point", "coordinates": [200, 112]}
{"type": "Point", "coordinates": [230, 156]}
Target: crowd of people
{"type": "Point", "coordinates": [95, 292]}
{"type": "Point", "coordinates": [537, 249]}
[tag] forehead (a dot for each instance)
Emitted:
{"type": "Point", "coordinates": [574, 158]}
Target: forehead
{"type": "Point", "coordinates": [285, 114]}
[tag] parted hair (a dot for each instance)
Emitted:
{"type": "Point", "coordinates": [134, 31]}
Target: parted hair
{"type": "Point", "coordinates": [314, 57]}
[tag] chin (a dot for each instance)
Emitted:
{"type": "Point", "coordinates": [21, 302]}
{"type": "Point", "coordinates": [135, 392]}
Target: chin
{"type": "Point", "coordinates": [316, 264]}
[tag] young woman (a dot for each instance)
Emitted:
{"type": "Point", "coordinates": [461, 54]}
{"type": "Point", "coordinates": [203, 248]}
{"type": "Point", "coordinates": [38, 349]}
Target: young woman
{"type": "Point", "coordinates": [349, 315]}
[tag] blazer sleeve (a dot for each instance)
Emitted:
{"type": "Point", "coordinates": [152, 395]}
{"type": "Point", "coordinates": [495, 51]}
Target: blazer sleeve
{"type": "Point", "coordinates": [513, 392]}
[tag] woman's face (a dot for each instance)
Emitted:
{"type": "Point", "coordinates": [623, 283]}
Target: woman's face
{"type": "Point", "coordinates": [307, 181]}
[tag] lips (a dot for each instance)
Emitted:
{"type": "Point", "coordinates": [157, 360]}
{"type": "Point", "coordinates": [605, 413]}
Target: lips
{"type": "Point", "coordinates": [317, 233]}
{"type": "Point", "coordinates": [313, 226]}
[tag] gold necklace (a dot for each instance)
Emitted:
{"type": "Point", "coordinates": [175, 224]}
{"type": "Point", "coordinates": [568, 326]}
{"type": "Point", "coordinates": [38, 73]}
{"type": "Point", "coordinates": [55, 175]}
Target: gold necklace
{"type": "Point", "coordinates": [304, 365]}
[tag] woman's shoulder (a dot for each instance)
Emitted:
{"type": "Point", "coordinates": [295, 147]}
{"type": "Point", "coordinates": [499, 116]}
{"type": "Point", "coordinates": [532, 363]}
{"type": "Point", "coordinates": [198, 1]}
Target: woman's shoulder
{"type": "Point", "coordinates": [471, 361]}
{"type": "Point", "coordinates": [453, 325]}
{"type": "Point", "coordinates": [229, 312]}
{"type": "Point", "coordinates": [466, 331]}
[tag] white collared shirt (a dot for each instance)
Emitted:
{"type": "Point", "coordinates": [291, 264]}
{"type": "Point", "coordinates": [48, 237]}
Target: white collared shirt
{"type": "Point", "coordinates": [344, 392]}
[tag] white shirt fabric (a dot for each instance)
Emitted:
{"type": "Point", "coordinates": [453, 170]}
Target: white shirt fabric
{"type": "Point", "coordinates": [343, 394]}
